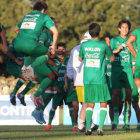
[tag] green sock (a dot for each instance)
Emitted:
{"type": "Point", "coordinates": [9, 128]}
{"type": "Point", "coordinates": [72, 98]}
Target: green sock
{"type": "Point", "coordinates": [43, 86]}
{"type": "Point", "coordinates": [89, 112]}
{"type": "Point", "coordinates": [126, 114]}
{"type": "Point", "coordinates": [51, 116]}
{"type": "Point", "coordinates": [103, 112]}
{"type": "Point", "coordinates": [28, 87]}
{"type": "Point", "coordinates": [71, 115]}
{"type": "Point", "coordinates": [17, 87]}
{"type": "Point", "coordinates": [116, 114]}
{"type": "Point", "coordinates": [39, 60]}
{"type": "Point", "coordinates": [28, 60]}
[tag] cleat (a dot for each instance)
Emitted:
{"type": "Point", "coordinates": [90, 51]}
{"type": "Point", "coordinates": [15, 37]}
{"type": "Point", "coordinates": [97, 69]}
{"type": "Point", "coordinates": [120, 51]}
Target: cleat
{"type": "Point", "coordinates": [100, 132]}
{"type": "Point", "coordinates": [48, 127]}
{"type": "Point", "coordinates": [81, 130]}
{"type": "Point", "coordinates": [75, 128]}
{"type": "Point", "coordinates": [95, 127]}
{"type": "Point", "coordinates": [21, 98]}
{"type": "Point", "coordinates": [88, 132]}
{"type": "Point", "coordinates": [126, 127]}
{"type": "Point", "coordinates": [42, 116]}
{"type": "Point", "coordinates": [36, 115]}
{"type": "Point", "coordinates": [13, 99]}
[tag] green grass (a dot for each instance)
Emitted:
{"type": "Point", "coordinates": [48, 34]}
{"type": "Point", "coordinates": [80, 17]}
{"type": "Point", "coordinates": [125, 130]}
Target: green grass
{"type": "Point", "coordinates": [63, 133]}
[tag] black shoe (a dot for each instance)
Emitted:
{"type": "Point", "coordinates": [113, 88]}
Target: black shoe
{"type": "Point", "coordinates": [21, 98]}
{"type": "Point", "coordinates": [12, 99]}
{"type": "Point", "coordinates": [100, 132]}
{"type": "Point", "coordinates": [81, 130]}
{"type": "Point", "coordinates": [88, 132]}
{"type": "Point", "coordinates": [95, 127]}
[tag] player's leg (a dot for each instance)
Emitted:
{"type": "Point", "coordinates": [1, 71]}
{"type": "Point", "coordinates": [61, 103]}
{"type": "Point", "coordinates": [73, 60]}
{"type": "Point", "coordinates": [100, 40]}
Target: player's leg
{"type": "Point", "coordinates": [103, 113]}
{"type": "Point", "coordinates": [19, 83]}
{"type": "Point", "coordinates": [21, 95]}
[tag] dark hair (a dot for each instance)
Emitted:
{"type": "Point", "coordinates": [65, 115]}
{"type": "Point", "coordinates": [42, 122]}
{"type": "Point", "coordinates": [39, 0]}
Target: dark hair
{"type": "Point", "coordinates": [39, 5]}
{"type": "Point", "coordinates": [62, 44]}
{"type": "Point", "coordinates": [124, 21]}
{"type": "Point", "coordinates": [94, 29]}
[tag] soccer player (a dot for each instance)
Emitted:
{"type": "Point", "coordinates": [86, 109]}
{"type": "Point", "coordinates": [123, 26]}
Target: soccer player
{"type": "Point", "coordinates": [96, 90]}
{"type": "Point", "coordinates": [122, 76]}
{"type": "Point", "coordinates": [135, 37]}
{"type": "Point", "coordinates": [75, 73]}
{"type": "Point", "coordinates": [13, 67]}
{"type": "Point", "coordinates": [59, 98]}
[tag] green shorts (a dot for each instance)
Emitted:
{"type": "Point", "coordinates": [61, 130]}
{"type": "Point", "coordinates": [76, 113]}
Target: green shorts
{"type": "Point", "coordinates": [29, 47]}
{"type": "Point", "coordinates": [59, 98]}
{"type": "Point", "coordinates": [71, 93]}
{"type": "Point", "coordinates": [137, 72]}
{"type": "Point", "coordinates": [96, 93]}
{"type": "Point", "coordinates": [14, 69]}
{"type": "Point", "coordinates": [122, 80]}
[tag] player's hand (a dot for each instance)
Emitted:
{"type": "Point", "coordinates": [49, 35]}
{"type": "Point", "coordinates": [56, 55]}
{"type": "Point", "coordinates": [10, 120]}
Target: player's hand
{"type": "Point", "coordinates": [19, 62]}
{"type": "Point", "coordinates": [120, 48]}
{"type": "Point", "coordinates": [51, 62]}
{"type": "Point", "coordinates": [52, 50]}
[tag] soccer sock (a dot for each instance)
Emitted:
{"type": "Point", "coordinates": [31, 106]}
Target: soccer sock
{"type": "Point", "coordinates": [43, 86]}
{"type": "Point", "coordinates": [116, 114]}
{"type": "Point", "coordinates": [18, 85]}
{"type": "Point", "coordinates": [28, 60]}
{"type": "Point", "coordinates": [81, 124]}
{"type": "Point", "coordinates": [139, 90]}
{"type": "Point", "coordinates": [71, 115]}
{"type": "Point", "coordinates": [51, 115]}
{"type": "Point", "coordinates": [89, 112]}
{"type": "Point", "coordinates": [126, 114]}
{"type": "Point", "coordinates": [103, 112]}
{"type": "Point", "coordinates": [29, 86]}
{"type": "Point", "coordinates": [39, 60]}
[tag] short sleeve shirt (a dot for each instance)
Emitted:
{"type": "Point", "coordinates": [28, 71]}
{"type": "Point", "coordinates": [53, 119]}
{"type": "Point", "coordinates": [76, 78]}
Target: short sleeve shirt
{"type": "Point", "coordinates": [33, 24]}
{"type": "Point", "coordinates": [123, 58]}
{"type": "Point", "coordinates": [93, 52]}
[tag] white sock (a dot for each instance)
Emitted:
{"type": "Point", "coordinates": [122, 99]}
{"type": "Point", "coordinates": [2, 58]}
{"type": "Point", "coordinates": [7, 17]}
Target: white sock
{"type": "Point", "coordinates": [81, 124]}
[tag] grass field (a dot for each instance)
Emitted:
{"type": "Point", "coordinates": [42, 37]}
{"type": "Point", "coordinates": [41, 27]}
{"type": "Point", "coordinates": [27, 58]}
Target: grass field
{"type": "Point", "coordinates": [63, 133]}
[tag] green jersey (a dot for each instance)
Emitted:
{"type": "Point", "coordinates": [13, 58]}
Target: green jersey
{"type": "Point", "coordinates": [93, 52]}
{"type": "Point", "coordinates": [33, 24]}
{"type": "Point", "coordinates": [136, 34]}
{"type": "Point", "coordinates": [46, 39]}
{"type": "Point", "coordinates": [61, 72]}
{"type": "Point", "coordinates": [123, 58]}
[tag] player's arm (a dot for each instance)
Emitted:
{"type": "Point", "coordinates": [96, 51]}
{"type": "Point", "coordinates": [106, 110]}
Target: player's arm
{"type": "Point", "coordinates": [2, 34]}
{"type": "Point", "coordinates": [109, 53]}
{"type": "Point", "coordinates": [66, 82]}
{"type": "Point", "coordinates": [129, 44]}
{"type": "Point", "coordinates": [118, 49]}
{"type": "Point", "coordinates": [11, 56]}
{"type": "Point", "coordinates": [55, 37]}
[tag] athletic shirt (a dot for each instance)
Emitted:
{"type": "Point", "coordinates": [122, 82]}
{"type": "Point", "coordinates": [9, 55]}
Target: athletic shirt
{"type": "Point", "coordinates": [136, 34]}
{"type": "Point", "coordinates": [93, 52]}
{"type": "Point", "coordinates": [61, 72]}
{"type": "Point", "coordinates": [46, 38]}
{"type": "Point", "coordinates": [123, 58]}
{"type": "Point", "coordinates": [33, 24]}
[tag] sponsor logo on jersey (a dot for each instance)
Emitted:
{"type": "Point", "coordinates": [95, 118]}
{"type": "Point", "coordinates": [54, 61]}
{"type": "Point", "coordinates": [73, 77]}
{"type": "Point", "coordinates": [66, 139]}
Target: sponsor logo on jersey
{"type": "Point", "coordinates": [93, 63]}
{"type": "Point", "coordinates": [28, 25]}
{"type": "Point", "coordinates": [94, 55]}
{"type": "Point", "coordinates": [93, 49]}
